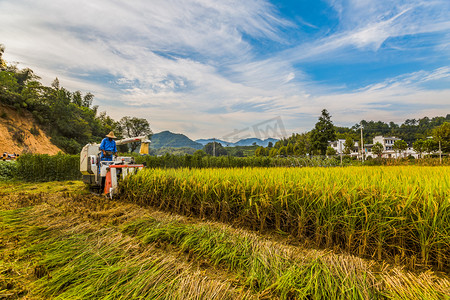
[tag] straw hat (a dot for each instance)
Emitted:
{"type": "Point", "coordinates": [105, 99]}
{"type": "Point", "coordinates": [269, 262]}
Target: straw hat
{"type": "Point", "coordinates": [111, 135]}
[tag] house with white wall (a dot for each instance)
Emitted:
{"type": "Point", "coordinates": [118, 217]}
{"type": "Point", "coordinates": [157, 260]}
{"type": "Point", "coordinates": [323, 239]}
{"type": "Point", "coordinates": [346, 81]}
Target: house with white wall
{"type": "Point", "coordinates": [339, 147]}
{"type": "Point", "coordinates": [388, 145]}
{"type": "Point", "coordinates": [388, 148]}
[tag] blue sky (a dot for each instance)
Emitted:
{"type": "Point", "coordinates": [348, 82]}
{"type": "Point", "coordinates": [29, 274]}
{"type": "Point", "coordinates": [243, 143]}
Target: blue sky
{"type": "Point", "coordinates": [208, 68]}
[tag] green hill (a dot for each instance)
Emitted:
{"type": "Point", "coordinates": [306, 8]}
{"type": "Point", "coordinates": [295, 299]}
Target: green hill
{"type": "Point", "coordinates": [174, 140]}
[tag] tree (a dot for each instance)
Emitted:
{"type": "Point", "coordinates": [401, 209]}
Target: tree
{"type": "Point", "coordinates": [302, 143]}
{"type": "Point", "coordinates": [430, 146]}
{"type": "Point", "coordinates": [200, 153]}
{"type": "Point", "coordinates": [217, 148]}
{"type": "Point", "coordinates": [109, 125]}
{"type": "Point", "coordinates": [322, 133]}
{"type": "Point", "coordinates": [2, 62]}
{"type": "Point", "coordinates": [260, 151]}
{"type": "Point", "coordinates": [419, 147]}
{"type": "Point", "coordinates": [273, 152]}
{"type": "Point", "coordinates": [133, 127]}
{"type": "Point", "coordinates": [349, 145]}
{"type": "Point", "coordinates": [240, 153]}
{"type": "Point", "coordinates": [270, 145]}
{"type": "Point", "coordinates": [377, 149]}
{"type": "Point", "coordinates": [400, 146]}
{"type": "Point", "coordinates": [290, 149]}
{"type": "Point", "coordinates": [330, 151]}
{"type": "Point", "coordinates": [442, 134]}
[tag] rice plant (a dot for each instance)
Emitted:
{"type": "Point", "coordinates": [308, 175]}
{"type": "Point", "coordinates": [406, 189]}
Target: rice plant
{"type": "Point", "coordinates": [398, 213]}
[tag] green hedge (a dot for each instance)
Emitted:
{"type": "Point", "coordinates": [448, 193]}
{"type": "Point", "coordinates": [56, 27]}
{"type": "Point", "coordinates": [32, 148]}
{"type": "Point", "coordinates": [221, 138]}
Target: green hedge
{"type": "Point", "coordinates": [43, 167]}
{"type": "Point", "coordinates": [8, 170]}
{"type": "Point", "coordinates": [195, 161]}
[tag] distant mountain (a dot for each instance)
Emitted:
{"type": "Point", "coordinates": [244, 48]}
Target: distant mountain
{"type": "Point", "coordinates": [206, 141]}
{"type": "Point", "coordinates": [259, 142]}
{"type": "Point", "coordinates": [167, 139]}
{"type": "Point", "coordinates": [243, 142]}
{"type": "Point", "coordinates": [174, 140]}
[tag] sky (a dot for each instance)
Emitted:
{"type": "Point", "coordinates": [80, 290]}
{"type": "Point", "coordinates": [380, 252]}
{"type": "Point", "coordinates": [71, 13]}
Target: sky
{"type": "Point", "coordinates": [253, 68]}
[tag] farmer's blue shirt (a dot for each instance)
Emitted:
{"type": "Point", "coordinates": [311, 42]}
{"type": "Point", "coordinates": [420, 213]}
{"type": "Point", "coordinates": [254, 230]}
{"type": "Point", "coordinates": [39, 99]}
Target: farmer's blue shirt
{"type": "Point", "coordinates": [108, 145]}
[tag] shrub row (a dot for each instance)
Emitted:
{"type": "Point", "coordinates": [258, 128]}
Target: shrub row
{"type": "Point", "coordinates": [43, 167]}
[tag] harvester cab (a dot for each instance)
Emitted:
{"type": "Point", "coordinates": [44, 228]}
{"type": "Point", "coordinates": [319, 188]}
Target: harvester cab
{"type": "Point", "coordinates": [103, 176]}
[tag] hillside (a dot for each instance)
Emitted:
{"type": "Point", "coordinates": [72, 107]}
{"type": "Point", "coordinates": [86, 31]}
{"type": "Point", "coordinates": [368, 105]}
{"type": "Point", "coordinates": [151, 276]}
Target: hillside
{"type": "Point", "coordinates": [175, 140]}
{"type": "Point", "coordinates": [20, 134]}
{"type": "Point", "coordinates": [222, 142]}
{"type": "Point", "coordinates": [259, 142]}
{"type": "Point", "coordinates": [243, 142]}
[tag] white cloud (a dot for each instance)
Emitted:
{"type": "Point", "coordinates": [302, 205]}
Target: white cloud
{"type": "Point", "coordinates": [368, 24]}
{"type": "Point", "coordinates": [187, 65]}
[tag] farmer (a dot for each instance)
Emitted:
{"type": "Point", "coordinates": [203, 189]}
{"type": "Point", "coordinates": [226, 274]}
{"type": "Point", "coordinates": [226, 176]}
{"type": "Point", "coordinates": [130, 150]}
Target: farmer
{"type": "Point", "coordinates": [108, 147]}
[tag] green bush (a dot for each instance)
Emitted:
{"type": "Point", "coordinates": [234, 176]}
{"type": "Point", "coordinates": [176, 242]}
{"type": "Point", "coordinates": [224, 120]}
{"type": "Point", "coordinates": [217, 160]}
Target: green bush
{"type": "Point", "coordinates": [8, 170]}
{"type": "Point", "coordinates": [43, 167]}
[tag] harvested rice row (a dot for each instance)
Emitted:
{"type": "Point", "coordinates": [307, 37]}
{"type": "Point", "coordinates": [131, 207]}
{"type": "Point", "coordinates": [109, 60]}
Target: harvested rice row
{"type": "Point", "coordinates": [279, 271]}
{"type": "Point", "coordinates": [82, 263]}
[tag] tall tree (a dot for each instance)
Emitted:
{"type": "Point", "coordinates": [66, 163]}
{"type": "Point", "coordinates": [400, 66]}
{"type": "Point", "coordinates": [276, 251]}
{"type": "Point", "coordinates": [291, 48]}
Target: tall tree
{"type": "Point", "coordinates": [133, 127]}
{"type": "Point", "coordinates": [323, 132]}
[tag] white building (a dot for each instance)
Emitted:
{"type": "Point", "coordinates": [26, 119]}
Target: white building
{"type": "Point", "coordinates": [388, 145]}
{"type": "Point", "coordinates": [388, 148]}
{"type": "Point", "coordinates": [339, 147]}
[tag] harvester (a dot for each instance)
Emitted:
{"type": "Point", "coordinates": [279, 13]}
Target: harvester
{"type": "Point", "coordinates": [103, 176]}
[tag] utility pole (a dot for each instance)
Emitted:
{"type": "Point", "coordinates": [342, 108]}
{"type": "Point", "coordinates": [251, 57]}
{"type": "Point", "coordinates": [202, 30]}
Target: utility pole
{"type": "Point", "coordinates": [362, 142]}
{"type": "Point", "coordinates": [440, 152]}
{"type": "Point", "coordinates": [214, 147]}
{"type": "Point", "coordinates": [340, 150]}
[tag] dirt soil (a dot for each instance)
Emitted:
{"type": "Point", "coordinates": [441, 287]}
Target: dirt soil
{"type": "Point", "coordinates": [20, 134]}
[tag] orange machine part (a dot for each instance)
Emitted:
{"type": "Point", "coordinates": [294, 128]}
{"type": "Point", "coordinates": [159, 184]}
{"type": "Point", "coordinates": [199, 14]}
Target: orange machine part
{"type": "Point", "coordinates": [107, 183]}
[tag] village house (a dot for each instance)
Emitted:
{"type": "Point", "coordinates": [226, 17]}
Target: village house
{"type": "Point", "coordinates": [388, 148]}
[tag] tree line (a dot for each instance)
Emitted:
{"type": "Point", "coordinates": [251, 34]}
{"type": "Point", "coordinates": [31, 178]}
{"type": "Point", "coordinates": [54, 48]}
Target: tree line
{"type": "Point", "coordinates": [424, 135]}
{"type": "Point", "coordinates": [69, 118]}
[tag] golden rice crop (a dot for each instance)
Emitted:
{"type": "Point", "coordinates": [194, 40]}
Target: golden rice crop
{"type": "Point", "coordinates": [401, 213]}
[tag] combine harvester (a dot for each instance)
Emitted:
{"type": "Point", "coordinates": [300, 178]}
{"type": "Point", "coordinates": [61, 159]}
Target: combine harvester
{"type": "Point", "coordinates": [103, 176]}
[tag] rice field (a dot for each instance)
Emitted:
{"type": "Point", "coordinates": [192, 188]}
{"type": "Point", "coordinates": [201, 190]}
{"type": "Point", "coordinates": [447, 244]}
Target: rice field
{"type": "Point", "coordinates": [66, 244]}
{"type": "Point", "coordinates": [400, 214]}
